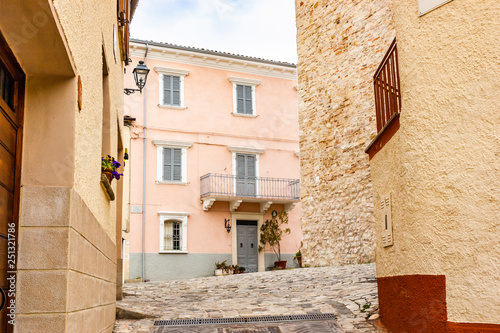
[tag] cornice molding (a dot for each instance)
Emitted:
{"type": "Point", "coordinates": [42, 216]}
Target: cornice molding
{"type": "Point", "coordinates": [173, 214]}
{"type": "Point", "coordinates": [246, 150]}
{"type": "Point", "coordinates": [171, 71]}
{"type": "Point", "coordinates": [244, 81]}
{"type": "Point", "coordinates": [176, 144]}
{"type": "Point", "coordinates": [223, 62]}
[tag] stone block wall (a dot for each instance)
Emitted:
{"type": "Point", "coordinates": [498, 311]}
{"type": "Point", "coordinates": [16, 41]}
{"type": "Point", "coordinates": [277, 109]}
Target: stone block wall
{"type": "Point", "coordinates": [340, 45]}
{"type": "Point", "coordinates": [66, 267]}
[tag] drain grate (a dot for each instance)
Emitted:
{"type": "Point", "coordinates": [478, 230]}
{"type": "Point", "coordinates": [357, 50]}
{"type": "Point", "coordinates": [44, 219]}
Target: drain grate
{"type": "Point", "coordinates": [244, 320]}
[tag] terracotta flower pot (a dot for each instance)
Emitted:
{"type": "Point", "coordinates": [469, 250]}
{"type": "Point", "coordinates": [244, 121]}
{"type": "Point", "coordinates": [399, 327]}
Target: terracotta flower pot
{"type": "Point", "coordinates": [108, 174]}
{"type": "Point", "coordinates": [281, 264]}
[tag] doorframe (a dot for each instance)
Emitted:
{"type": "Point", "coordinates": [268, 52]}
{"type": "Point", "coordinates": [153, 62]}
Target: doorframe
{"type": "Point", "coordinates": [259, 217]}
{"type": "Point", "coordinates": [9, 60]}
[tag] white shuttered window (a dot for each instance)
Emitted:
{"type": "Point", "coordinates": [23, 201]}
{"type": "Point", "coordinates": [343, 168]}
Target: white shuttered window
{"type": "Point", "coordinates": [244, 96]}
{"type": "Point", "coordinates": [171, 84]}
{"type": "Point", "coordinates": [171, 90]}
{"type": "Point", "coordinates": [172, 162]}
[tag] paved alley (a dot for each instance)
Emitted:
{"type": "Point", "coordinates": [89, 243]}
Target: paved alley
{"type": "Point", "coordinates": [347, 293]}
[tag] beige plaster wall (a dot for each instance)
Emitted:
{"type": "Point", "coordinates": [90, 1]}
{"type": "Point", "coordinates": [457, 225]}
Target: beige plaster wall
{"type": "Point", "coordinates": [88, 29]}
{"type": "Point", "coordinates": [340, 44]}
{"type": "Point", "coordinates": [442, 167]}
{"type": "Point", "coordinates": [67, 256]}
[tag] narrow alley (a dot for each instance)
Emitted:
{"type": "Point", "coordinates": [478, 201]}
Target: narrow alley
{"type": "Point", "coordinates": [333, 299]}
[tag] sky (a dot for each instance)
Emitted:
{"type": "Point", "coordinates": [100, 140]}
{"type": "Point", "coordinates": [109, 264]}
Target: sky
{"type": "Point", "coordinates": [256, 28]}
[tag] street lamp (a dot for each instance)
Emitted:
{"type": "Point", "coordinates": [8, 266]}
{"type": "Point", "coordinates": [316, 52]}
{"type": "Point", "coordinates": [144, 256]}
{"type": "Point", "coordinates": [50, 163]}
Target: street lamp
{"type": "Point", "coordinates": [140, 76]}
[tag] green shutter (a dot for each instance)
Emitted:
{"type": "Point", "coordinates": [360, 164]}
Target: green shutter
{"type": "Point", "coordinates": [248, 100]}
{"type": "Point", "coordinates": [167, 164]}
{"type": "Point", "coordinates": [176, 90]}
{"type": "Point", "coordinates": [177, 164]}
{"type": "Point", "coordinates": [172, 164]}
{"type": "Point", "coordinates": [240, 99]}
{"type": "Point", "coordinates": [251, 166]}
{"type": "Point", "coordinates": [240, 166]}
{"type": "Point", "coordinates": [167, 89]}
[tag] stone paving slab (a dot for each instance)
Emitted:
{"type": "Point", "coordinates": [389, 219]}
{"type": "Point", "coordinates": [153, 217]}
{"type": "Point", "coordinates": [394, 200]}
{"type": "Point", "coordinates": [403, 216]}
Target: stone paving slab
{"type": "Point", "coordinates": [349, 292]}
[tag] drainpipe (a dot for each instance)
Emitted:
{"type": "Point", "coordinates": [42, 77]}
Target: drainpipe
{"type": "Point", "coordinates": [144, 174]}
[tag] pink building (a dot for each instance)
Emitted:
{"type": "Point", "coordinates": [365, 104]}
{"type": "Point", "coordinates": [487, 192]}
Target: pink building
{"type": "Point", "coordinates": [215, 138]}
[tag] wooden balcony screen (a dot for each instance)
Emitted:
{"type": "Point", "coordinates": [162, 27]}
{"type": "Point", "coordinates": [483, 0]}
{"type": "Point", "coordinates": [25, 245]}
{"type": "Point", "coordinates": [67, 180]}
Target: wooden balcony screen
{"type": "Point", "coordinates": [387, 88]}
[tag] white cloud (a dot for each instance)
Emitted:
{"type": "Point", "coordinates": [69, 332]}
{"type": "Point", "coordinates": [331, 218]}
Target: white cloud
{"type": "Point", "coordinates": [258, 28]}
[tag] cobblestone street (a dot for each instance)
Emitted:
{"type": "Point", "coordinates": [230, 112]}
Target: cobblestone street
{"type": "Point", "coordinates": [349, 292]}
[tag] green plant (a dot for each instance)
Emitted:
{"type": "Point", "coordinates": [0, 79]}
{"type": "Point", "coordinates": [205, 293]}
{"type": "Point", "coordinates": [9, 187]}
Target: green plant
{"type": "Point", "coordinates": [221, 265]}
{"type": "Point", "coordinates": [366, 307]}
{"type": "Point", "coordinates": [108, 164]}
{"type": "Point", "coordinates": [298, 254]}
{"type": "Point", "coordinates": [271, 233]}
{"type": "Point", "coordinates": [242, 269]}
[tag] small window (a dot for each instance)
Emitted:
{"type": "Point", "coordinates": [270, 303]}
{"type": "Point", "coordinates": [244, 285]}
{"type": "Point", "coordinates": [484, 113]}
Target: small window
{"type": "Point", "coordinates": [7, 87]}
{"type": "Point", "coordinates": [172, 236]}
{"type": "Point", "coordinates": [244, 99]}
{"type": "Point", "coordinates": [173, 232]}
{"type": "Point", "coordinates": [171, 90]}
{"type": "Point", "coordinates": [244, 96]}
{"type": "Point", "coordinates": [171, 87]}
{"type": "Point", "coordinates": [172, 162]}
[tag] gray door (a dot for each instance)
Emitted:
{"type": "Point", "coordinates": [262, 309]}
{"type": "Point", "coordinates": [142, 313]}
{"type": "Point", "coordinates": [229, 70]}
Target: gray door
{"type": "Point", "coordinates": [245, 175]}
{"type": "Point", "coordinates": [247, 245]}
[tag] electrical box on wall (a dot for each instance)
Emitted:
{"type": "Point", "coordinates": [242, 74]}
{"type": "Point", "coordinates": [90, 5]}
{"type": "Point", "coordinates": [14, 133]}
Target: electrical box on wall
{"type": "Point", "coordinates": [386, 207]}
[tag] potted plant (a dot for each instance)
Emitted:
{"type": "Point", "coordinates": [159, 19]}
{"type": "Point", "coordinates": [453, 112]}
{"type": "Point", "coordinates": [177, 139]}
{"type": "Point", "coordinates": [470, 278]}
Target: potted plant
{"type": "Point", "coordinates": [236, 269]}
{"type": "Point", "coordinates": [109, 167]}
{"type": "Point", "coordinates": [242, 270]}
{"type": "Point", "coordinates": [298, 257]}
{"type": "Point", "coordinates": [220, 268]}
{"type": "Point", "coordinates": [271, 233]}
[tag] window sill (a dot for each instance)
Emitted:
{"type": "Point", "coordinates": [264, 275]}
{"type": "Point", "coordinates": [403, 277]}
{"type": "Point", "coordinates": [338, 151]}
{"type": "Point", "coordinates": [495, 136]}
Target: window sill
{"type": "Point", "coordinates": [244, 115]}
{"type": "Point", "coordinates": [162, 182]}
{"type": "Point", "coordinates": [106, 186]}
{"type": "Point", "coordinates": [174, 107]}
{"type": "Point", "coordinates": [383, 136]}
{"type": "Point", "coordinates": [173, 252]}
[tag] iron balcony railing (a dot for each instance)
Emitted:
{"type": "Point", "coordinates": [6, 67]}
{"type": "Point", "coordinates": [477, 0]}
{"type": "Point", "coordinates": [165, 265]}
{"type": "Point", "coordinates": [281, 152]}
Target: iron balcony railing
{"type": "Point", "coordinates": [387, 89]}
{"type": "Point", "coordinates": [249, 187]}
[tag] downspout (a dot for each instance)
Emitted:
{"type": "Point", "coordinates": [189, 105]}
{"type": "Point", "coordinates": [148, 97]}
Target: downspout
{"type": "Point", "coordinates": [144, 174]}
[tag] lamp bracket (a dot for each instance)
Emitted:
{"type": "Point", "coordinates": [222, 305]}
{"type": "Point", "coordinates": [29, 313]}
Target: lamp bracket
{"type": "Point", "coordinates": [129, 91]}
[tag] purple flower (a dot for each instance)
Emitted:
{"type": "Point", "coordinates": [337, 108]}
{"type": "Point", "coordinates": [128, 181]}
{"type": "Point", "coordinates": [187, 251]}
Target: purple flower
{"type": "Point", "coordinates": [117, 175]}
{"type": "Point", "coordinates": [116, 164]}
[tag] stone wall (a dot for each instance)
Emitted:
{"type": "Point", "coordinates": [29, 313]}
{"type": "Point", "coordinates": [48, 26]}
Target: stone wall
{"type": "Point", "coordinates": [340, 45]}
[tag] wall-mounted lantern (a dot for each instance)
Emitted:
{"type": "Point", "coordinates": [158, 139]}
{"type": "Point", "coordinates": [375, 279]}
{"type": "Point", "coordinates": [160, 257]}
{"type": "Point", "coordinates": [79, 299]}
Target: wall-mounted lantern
{"type": "Point", "coordinates": [140, 76]}
{"type": "Point", "coordinates": [227, 225]}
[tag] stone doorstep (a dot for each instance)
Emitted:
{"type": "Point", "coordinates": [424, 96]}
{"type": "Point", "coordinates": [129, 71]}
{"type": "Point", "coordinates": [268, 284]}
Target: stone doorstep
{"type": "Point", "coordinates": [122, 313]}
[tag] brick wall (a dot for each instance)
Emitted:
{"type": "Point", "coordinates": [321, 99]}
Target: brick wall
{"type": "Point", "coordinates": [340, 44]}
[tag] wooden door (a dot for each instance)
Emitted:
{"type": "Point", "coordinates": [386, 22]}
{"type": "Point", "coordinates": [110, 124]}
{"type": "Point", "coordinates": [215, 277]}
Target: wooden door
{"type": "Point", "coordinates": [11, 120]}
{"type": "Point", "coordinates": [247, 245]}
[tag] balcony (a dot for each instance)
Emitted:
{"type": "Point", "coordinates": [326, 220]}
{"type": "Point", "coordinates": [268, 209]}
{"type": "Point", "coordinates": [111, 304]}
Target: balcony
{"type": "Point", "coordinates": [262, 190]}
